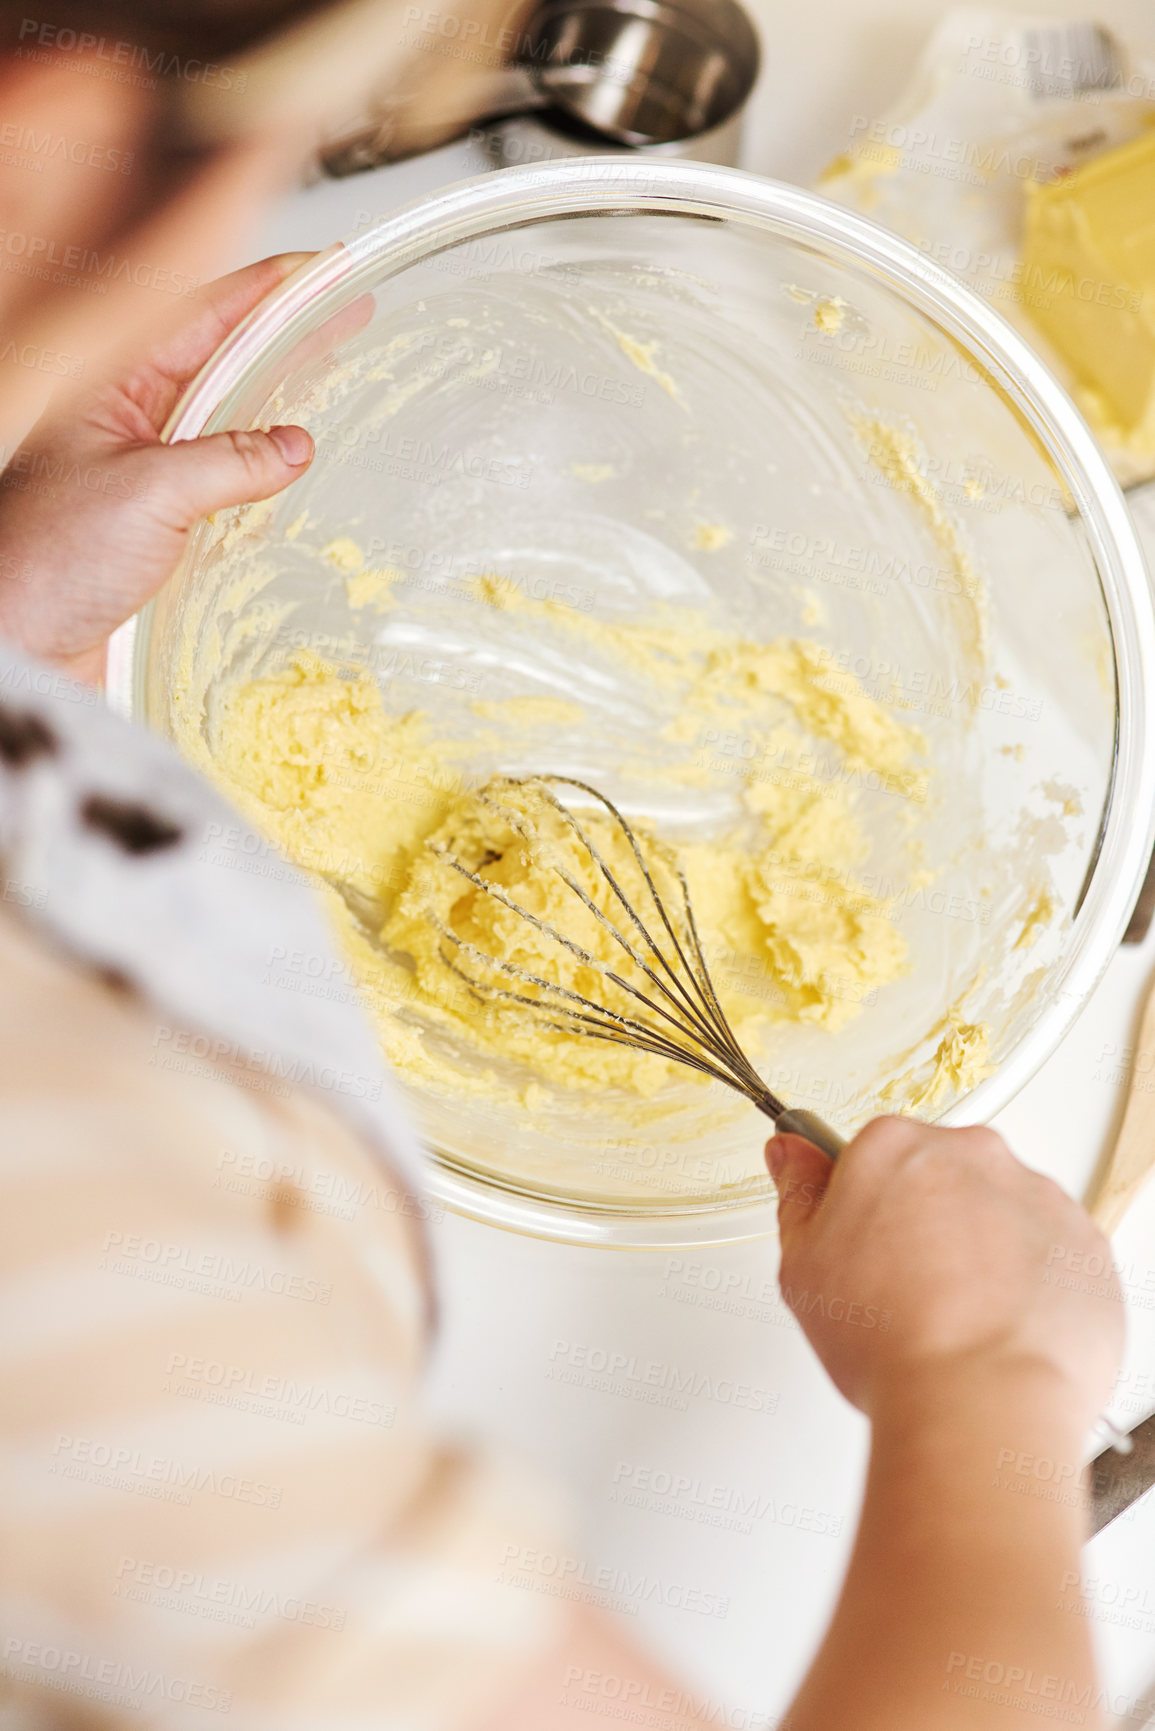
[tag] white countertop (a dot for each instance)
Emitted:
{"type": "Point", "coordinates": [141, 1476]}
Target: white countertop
{"type": "Point", "coordinates": [752, 1538]}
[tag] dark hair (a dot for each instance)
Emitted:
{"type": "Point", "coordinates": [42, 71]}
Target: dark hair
{"type": "Point", "coordinates": [209, 29]}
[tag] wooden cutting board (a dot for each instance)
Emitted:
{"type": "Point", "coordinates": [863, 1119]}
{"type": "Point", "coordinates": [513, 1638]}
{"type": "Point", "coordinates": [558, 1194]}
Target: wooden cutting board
{"type": "Point", "coordinates": [1118, 1480]}
{"type": "Point", "coordinates": [1126, 1169]}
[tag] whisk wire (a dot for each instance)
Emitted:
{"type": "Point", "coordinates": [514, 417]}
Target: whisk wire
{"type": "Point", "coordinates": [682, 1001]}
{"type": "Point", "coordinates": [714, 1017]}
{"type": "Point", "coordinates": [680, 993]}
{"type": "Point", "coordinates": [686, 998]}
{"type": "Point", "coordinates": [583, 955]}
{"type": "Point", "coordinates": [599, 1023]}
{"type": "Point", "coordinates": [668, 1048]}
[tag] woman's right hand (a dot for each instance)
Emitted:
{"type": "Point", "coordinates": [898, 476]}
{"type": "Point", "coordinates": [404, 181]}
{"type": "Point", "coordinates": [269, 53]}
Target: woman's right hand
{"type": "Point", "coordinates": [928, 1258]}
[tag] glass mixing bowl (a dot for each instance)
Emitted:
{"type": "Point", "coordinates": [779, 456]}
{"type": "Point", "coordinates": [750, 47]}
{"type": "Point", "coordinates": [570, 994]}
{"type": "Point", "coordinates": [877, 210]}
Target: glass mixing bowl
{"type": "Point", "coordinates": [624, 387]}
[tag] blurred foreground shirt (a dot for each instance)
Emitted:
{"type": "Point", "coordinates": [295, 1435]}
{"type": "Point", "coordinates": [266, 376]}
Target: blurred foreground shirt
{"type": "Point", "coordinates": [217, 1497]}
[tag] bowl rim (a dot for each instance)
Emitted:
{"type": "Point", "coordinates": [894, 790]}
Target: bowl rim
{"type": "Point", "coordinates": [523, 196]}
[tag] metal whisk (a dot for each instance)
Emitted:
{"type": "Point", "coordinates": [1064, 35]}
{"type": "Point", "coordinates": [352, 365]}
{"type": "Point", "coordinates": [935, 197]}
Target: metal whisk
{"type": "Point", "coordinates": [679, 1016]}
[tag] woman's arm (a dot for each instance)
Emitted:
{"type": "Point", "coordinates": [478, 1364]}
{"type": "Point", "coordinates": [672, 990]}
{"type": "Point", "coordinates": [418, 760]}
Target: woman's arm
{"type": "Point", "coordinates": [951, 1612]}
{"type": "Point", "coordinates": [981, 1390]}
{"type": "Point", "coordinates": [922, 1271]}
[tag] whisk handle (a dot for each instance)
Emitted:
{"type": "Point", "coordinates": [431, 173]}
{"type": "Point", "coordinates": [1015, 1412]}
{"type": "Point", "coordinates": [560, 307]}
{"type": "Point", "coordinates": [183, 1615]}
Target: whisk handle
{"type": "Point", "coordinates": [799, 1122]}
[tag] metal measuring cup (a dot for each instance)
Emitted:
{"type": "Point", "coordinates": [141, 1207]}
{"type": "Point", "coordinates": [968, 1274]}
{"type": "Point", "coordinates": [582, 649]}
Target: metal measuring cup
{"type": "Point", "coordinates": [666, 76]}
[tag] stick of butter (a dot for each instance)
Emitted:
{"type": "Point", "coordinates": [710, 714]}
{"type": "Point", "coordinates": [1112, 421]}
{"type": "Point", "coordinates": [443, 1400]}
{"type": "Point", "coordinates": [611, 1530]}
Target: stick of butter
{"type": "Point", "coordinates": [1088, 281]}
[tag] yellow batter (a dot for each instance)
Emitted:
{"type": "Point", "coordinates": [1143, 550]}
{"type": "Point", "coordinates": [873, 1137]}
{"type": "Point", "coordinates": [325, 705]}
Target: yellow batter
{"type": "Point", "coordinates": [363, 797]}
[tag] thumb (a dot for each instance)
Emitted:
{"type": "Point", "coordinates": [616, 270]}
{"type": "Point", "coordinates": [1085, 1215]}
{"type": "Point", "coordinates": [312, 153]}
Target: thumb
{"type": "Point", "coordinates": [801, 1173]}
{"type": "Point", "coordinates": [189, 479]}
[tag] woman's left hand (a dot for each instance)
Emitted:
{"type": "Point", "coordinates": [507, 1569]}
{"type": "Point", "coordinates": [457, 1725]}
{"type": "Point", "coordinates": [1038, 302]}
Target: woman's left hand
{"type": "Point", "coordinates": [95, 510]}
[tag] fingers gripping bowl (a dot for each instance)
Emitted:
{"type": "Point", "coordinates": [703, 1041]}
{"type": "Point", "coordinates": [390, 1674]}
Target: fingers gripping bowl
{"type": "Point", "coordinates": [704, 492]}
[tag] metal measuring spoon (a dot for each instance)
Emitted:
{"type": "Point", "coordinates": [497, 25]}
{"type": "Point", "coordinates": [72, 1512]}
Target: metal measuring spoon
{"type": "Point", "coordinates": [623, 72]}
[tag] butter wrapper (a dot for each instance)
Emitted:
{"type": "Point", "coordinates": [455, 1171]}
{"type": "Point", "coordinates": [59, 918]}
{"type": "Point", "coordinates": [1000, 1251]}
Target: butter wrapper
{"type": "Point", "coordinates": [1000, 105]}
